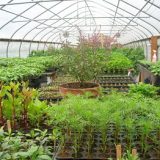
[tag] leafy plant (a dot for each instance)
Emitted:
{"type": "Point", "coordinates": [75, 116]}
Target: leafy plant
{"type": "Point", "coordinates": [155, 68]}
{"type": "Point", "coordinates": [83, 63]}
{"type": "Point", "coordinates": [13, 100]}
{"type": "Point", "coordinates": [134, 54]}
{"type": "Point", "coordinates": [130, 112]}
{"type": "Point", "coordinates": [2, 96]}
{"type": "Point", "coordinates": [20, 104]}
{"type": "Point", "coordinates": [147, 90]}
{"type": "Point", "coordinates": [27, 96]}
{"type": "Point", "coordinates": [18, 69]}
{"type": "Point", "coordinates": [129, 156]}
{"type": "Point", "coordinates": [17, 146]}
{"type": "Point", "coordinates": [118, 62]}
{"type": "Point", "coordinates": [49, 52]}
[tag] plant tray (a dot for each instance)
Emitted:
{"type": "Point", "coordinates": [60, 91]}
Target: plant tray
{"type": "Point", "coordinates": [118, 82]}
{"type": "Point", "coordinates": [99, 150]}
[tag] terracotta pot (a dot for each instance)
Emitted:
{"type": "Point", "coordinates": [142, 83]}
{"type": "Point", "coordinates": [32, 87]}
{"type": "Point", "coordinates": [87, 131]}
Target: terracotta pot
{"type": "Point", "coordinates": [66, 89]}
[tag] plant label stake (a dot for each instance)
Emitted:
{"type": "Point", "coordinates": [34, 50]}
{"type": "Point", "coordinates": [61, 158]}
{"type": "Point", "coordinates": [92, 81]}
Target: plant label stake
{"type": "Point", "coordinates": [134, 152]}
{"type": "Point", "coordinates": [118, 152]}
{"type": "Point", "coordinates": [9, 126]}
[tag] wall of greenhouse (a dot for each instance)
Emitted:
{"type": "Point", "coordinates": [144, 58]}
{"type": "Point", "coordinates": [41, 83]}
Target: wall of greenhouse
{"type": "Point", "coordinates": [22, 49]}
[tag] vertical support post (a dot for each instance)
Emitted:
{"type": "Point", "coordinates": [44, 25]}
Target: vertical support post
{"type": "Point", "coordinates": [119, 152]}
{"type": "Point", "coordinates": [102, 40]}
{"type": "Point", "coordinates": [154, 45]}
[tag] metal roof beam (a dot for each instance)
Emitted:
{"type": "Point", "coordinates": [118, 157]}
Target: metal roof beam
{"type": "Point", "coordinates": [87, 26]}
{"type": "Point", "coordinates": [79, 18]}
{"type": "Point", "coordinates": [115, 15]}
{"type": "Point", "coordinates": [30, 2]}
{"type": "Point", "coordinates": [90, 12]}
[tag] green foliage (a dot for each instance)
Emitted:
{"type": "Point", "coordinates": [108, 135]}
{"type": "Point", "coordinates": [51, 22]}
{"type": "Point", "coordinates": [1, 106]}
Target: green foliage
{"type": "Point", "coordinates": [80, 114]}
{"type": "Point", "coordinates": [117, 61]}
{"type": "Point", "coordinates": [134, 54]}
{"type": "Point", "coordinates": [21, 106]}
{"type": "Point", "coordinates": [147, 90]}
{"type": "Point", "coordinates": [155, 68]}
{"type": "Point", "coordinates": [145, 62]}
{"type": "Point", "coordinates": [97, 113]}
{"type": "Point", "coordinates": [14, 69]}
{"type": "Point", "coordinates": [129, 156]}
{"type": "Point", "coordinates": [133, 115]}
{"type": "Point", "coordinates": [49, 52]}
{"type": "Point", "coordinates": [24, 147]}
{"type": "Point", "coordinates": [83, 63]}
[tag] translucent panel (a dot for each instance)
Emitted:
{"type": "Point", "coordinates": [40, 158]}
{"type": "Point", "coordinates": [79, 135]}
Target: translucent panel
{"type": "Point", "coordinates": [24, 49]}
{"type": "Point", "coordinates": [41, 46]}
{"type": "Point", "coordinates": [5, 17]}
{"type": "Point", "coordinates": [33, 46]}
{"type": "Point", "coordinates": [13, 50]}
{"type": "Point", "coordinates": [21, 8]}
{"type": "Point", "coordinates": [3, 49]}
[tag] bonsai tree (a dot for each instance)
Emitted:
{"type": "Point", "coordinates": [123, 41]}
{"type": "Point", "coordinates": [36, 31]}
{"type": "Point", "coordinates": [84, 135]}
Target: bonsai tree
{"type": "Point", "coordinates": [84, 62]}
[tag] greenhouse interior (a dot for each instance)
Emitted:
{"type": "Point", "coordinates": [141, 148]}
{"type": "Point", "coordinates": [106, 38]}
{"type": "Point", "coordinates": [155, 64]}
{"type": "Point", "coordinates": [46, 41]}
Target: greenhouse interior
{"type": "Point", "coordinates": [79, 79]}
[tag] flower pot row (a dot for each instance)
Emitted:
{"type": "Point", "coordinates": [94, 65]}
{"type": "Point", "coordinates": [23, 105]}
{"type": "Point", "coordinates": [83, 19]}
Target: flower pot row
{"type": "Point", "coordinates": [117, 71]}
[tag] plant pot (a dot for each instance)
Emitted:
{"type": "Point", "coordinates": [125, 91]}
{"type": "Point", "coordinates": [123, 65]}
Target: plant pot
{"type": "Point", "coordinates": [70, 88]}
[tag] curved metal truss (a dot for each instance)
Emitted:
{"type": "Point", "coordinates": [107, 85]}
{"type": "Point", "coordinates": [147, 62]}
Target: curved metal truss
{"type": "Point", "coordinates": [45, 21]}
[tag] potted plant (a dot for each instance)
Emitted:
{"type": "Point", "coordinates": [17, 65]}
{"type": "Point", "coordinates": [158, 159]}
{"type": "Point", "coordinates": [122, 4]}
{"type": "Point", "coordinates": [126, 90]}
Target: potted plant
{"type": "Point", "coordinates": [84, 63]}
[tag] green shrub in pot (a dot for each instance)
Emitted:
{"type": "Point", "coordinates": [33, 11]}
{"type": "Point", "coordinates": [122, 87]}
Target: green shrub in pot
{"type": "Point", "coordinates": [83, 63]}
{"type": "Point", "coordinates": [118, 62]}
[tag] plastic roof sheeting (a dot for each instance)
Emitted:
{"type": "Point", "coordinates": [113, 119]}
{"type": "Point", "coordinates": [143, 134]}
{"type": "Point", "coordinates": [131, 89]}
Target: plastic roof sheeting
{"type": "Point", "coordinates": [48, 20]}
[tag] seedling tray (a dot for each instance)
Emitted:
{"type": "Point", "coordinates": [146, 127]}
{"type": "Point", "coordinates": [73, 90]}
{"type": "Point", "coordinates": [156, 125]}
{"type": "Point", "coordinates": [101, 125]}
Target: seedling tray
{"type": "Point", "coordinates": [100, 150]}
{"type": "Point", "coordinates": [95, 153]}
{"type": "Point", "coordinates": [118, 82]}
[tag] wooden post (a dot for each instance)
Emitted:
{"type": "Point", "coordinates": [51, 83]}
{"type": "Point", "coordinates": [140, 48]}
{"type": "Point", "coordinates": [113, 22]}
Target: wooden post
{"type": "Point", "coordinates": [154, 45]}
{"type": "Point", "coordinates": [9, 126]}
{"type": "Point", "coordinates": [118, 152]}
{"type": "Point", "coordinates": [102, 40]}
{"type": "Point", "coordinates": [134, 152]}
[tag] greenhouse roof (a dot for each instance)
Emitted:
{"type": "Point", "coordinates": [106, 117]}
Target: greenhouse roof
{"type": "Point", "coordinates": [54, 20]}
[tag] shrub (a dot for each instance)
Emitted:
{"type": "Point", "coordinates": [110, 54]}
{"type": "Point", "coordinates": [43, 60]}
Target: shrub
{"type": "Point", "coordinates": [118, 61]}
{"type": "Point", "coordinates": [144, 89]}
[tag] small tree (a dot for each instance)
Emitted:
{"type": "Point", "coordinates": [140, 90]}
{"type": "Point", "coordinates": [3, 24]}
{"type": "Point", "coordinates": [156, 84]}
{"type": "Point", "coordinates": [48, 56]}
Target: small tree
{"type": "Point", "coordinates": [84, 62]}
